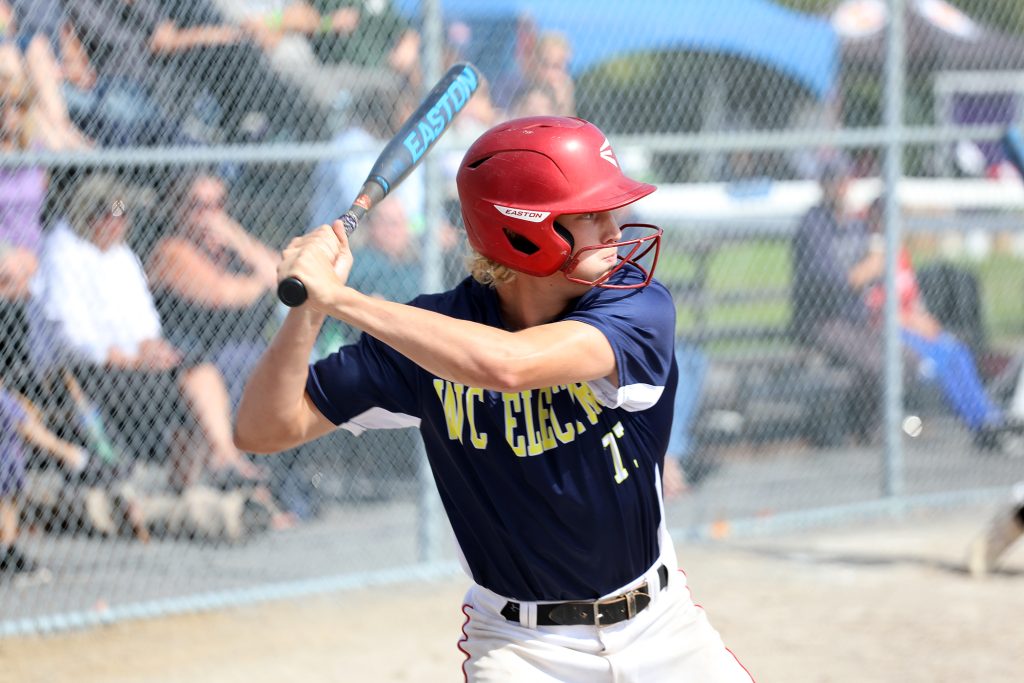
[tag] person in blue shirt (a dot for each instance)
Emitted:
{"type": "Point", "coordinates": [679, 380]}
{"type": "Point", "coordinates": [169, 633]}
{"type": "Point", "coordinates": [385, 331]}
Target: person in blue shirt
{"type": "Point", "coordinates": [543, 387]}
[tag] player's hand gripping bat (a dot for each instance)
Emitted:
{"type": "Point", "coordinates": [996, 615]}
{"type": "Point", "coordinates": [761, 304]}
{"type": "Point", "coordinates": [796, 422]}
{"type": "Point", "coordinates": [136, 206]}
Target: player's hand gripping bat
{"type": "Point", "coordinates": [402, 154]}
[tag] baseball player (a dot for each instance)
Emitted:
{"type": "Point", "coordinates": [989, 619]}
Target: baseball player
{"type": "Point", "coordinates": [543, 387]}
{"type": "Point", "coordinates": [999, 534]}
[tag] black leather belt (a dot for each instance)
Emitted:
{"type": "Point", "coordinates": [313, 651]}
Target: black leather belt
{"type": "Point", "coordinates": [600, 613]}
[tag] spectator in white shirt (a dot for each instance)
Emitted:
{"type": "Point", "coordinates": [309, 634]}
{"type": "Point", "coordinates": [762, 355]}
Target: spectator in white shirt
{"type": "Point", "coordinates": [92, 310]}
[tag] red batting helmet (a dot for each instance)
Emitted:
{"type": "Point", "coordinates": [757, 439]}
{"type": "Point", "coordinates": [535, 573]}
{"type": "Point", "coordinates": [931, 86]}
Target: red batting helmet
{"type": "Point", "coordinates": [520, 176]}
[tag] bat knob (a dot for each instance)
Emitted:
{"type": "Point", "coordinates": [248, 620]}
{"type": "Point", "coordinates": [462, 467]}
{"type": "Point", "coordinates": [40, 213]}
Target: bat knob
{"type": "Point", "coordinates": [291, 292]}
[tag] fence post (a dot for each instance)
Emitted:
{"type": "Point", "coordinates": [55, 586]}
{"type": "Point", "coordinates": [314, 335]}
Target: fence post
{"type": "Point", "coordinates": [894, 66]}
{"type": "Point", "coordinates": [429, 521]}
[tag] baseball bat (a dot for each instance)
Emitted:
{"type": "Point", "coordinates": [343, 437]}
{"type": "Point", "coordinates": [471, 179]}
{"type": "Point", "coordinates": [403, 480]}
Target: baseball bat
{"type": "Point", "coordinates": [89, 420]}
{"type": "Point", "coordinates": [402, 154]}
{"type": "Point", "coordinates": [1013, 146]}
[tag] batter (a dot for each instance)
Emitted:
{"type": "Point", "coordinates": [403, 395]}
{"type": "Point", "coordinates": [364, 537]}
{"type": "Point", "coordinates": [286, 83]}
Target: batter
{"type": "Point", "coordinates": [543, 386]}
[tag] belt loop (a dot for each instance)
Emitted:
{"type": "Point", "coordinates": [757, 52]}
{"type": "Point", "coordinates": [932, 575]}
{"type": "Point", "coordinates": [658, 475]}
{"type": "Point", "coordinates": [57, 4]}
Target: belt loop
{"type": "Point", "coordinates": [528, 614]}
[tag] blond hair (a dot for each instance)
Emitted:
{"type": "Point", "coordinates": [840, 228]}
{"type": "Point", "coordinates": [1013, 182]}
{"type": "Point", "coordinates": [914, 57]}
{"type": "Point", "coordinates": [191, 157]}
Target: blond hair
{"type": "Point", "coordinates": [488, 272]}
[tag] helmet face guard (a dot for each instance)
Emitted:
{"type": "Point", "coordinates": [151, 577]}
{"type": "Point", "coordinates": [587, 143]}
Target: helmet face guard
{"type": "Point", "coordinates": [639, 248]}
{"type": "Point", "coordinates": [520, 176]}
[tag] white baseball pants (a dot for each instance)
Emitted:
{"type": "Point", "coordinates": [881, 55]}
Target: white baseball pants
{"type": "Point", "coordinates": [671, 640]}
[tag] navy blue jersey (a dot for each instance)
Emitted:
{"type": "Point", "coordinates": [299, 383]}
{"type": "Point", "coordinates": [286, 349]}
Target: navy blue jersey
{"type": "Point", "coordinates": [552, 492]}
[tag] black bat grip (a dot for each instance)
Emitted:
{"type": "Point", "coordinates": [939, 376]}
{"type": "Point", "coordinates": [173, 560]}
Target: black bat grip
{"type": "Point", "coordinates": [290, 291]}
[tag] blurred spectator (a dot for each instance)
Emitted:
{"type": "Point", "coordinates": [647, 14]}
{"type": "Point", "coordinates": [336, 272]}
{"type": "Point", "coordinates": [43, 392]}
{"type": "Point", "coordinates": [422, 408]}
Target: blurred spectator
{"type": "Point", "coordinates": [365, 33]}
{"type": "Point", "coordinates": [549, 66]}
{"type": "Point", "coordinates": [93, 310]}
{"type": "Point", "coordinates": [376, 45]}
{"type": "Point", "coordinates": [682, 467]}
{"type": "Point", "coordinates": [372, 120]}
{"type": "Point", "coordinates": [39, 31]}
{"type": "Point", "coordinates": [937, 354]}
{"type": "Point", "coordinates": [112, 38]}
{"type": "Point", "coordinates": [545, 65]}
{"type": "Point", "coordinates": [476, 117]}
{"type": "Point", "coordinates": [205, 54]}
{"type": "Point", "coordinates": [21, 430]}
{"type": "Point", "coordinates": [96, 497]}
{"type": "Point", "coordinates": [22, 195]}
{"type": "Point", "coordinates": [534, 100]}
{"type": "Point", "coordinates": [175, 71]}
{"type": "Point", "coordinates": [387, 265]}
{"type": "Point", "coordinates": [837, 309]}
{"type": "Point", "coordinates": [371, 123]}
{"type": "Point", "coordinates": [212, 280]}
{"type": "Point", "coordinates": [829, 311]}
{"type": "Point", "coordinates": [389, 260]}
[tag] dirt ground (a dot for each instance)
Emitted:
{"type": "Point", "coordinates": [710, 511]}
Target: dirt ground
{"type": "Point", "coordinates": [886, 602]}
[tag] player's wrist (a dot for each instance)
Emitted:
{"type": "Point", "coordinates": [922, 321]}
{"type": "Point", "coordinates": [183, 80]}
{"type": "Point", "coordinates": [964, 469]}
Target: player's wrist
{"type": "Point", "coordinates": [343, 298]}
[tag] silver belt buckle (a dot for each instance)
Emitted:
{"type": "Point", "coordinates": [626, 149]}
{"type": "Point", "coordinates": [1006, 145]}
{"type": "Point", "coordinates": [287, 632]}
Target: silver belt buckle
{"type": "Point", "coordinates": [630, 604]}
{"type": "Point", "coordinates": [597, 609]}
{"type": "Point", "coordinates": [630, 597]}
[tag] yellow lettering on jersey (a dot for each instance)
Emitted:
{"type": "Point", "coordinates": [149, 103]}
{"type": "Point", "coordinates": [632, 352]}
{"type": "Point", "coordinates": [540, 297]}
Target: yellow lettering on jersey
{"type": "Point", "coordinates": [533, 441]}
{"type": "Point", "coordinates": [450, 394]}
{"type": "Point", "coordinates": [513, 404]}
{"type": "Point", "coordinates": [611, 442]}
{"type": "Point", "coordinates": [545, 418]}
{"type": "Point", "coordinates": [584, 396]}
{"type": "Point", "coordinates": [565, 432]}
{"type": "Point", "coordinates": [476, 438]}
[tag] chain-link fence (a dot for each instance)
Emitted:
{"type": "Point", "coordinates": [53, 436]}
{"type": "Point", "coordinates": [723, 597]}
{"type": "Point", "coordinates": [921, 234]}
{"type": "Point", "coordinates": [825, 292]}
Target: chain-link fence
{"type": "Point", "coordinates": [825, 184]}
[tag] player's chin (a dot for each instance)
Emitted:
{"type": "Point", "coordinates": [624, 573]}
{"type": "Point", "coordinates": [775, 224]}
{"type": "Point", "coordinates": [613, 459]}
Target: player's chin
{"type": "Point", "coordinates": [581, 280]}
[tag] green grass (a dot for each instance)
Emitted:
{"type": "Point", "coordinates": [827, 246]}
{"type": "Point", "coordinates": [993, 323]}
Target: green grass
{"type": "Point", "coordinates": [746, 267]}
{"type": "Point", "coordinates": [1001, 277]}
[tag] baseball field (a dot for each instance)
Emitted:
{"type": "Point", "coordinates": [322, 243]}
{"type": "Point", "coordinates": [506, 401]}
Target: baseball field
{"type": "Point", "coordinates": [885, 602]}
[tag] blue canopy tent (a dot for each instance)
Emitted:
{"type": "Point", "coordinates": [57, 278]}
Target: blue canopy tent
{"type": "Point", "coordinates": [802, 46]}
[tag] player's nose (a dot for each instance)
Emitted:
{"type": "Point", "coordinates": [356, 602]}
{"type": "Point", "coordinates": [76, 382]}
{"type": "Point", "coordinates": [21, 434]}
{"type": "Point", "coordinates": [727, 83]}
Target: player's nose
{"type": "Point", "coordinates": [610, 231]}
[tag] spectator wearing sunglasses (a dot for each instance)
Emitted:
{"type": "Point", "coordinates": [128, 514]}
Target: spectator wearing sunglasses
{"type": "Point", "coordinates": [213, 280]}
{"type": "Point", "coordinates": [92, 310]}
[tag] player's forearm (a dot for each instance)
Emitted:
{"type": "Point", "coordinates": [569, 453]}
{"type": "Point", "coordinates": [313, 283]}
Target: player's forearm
{"type": "Point", "coordinates": [272, 415]}
{"type": "Point", "coordinates": [463, 351]}
{"type": "Point", "coordinates": [459, 350]}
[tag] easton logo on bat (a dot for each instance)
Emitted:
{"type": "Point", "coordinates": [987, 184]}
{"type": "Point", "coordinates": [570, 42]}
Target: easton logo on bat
{"type": "Point", "coordinates": [434, 122]}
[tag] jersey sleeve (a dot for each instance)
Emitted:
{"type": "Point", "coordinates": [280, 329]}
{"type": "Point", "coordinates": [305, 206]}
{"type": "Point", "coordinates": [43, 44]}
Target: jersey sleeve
{"type": "Point", "coordinates": [366, 385]}
{"type": "Point", "coordinates": [640, 326]}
